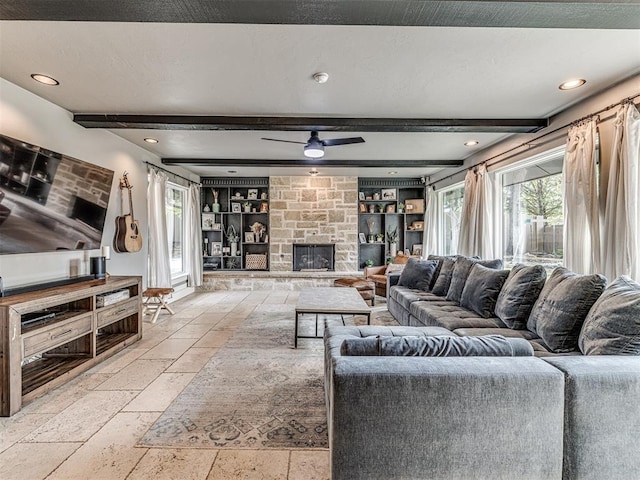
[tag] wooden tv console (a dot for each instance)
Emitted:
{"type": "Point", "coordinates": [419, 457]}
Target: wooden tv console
{"type": "Point", "coordinates": [70, 334]}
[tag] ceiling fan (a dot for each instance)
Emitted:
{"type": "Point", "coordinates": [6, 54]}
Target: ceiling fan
{"type": "Point", "coordinates": [314, 148]}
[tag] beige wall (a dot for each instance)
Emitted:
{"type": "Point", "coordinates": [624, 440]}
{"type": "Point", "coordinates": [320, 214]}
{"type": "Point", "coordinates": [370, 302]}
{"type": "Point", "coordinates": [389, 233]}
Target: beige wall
{"type": "Point", "coordinates": [313, 210]}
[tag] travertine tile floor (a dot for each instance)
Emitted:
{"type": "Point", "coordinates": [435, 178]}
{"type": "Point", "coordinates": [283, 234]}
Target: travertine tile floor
{"type": "Point", "coordinates": [88, 428]}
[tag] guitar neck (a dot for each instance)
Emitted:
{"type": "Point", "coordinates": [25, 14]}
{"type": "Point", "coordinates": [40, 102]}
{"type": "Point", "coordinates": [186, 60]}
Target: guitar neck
{"type": "Point", "coordinates": [131, 206]}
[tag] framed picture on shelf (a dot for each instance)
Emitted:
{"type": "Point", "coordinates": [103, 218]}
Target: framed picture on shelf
{"type": "Point", "coordinates": [236, 207]}
{"type": "Point", "coordinates": [216, 249]}
{"type": "Point", "coordinates": [361, 196]}
{"type": "Point", "coordinates": [388, 193]}
{"type": "Point", "coordinates": [216, 226]}
{"type": "Point", "coordinates": [252, 194]}
{"type": "Point", "coordinates": [362, 237]}
{"type": "Point", "coordinates": [208, 220]}
{"type": "Point", "coordinates": [249, 237]}
{"type": "Point", "coordinates": [418, 225]}
{"type": "Point", "coordinates": [417, 249]}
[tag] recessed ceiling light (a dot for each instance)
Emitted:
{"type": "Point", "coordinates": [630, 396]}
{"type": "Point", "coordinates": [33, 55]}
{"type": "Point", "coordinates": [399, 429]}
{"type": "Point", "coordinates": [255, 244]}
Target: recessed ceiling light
{"type": "Point", "coordinates": [321, 77]}
{"type": "Point", "coordinates": [570, 84]}
{"type": "Point", "coordinates": [393, 172]}
{"type": "Point", "coordinates": [151, 140]}
{"type": "Point", "coordinates": [471, 143]}
{"type": "Point", "coordinates": [232, 171]}
{"type": "Point", "coordinates": [313, 172]}
{"type": "Point", "coordinates": [45, 79]}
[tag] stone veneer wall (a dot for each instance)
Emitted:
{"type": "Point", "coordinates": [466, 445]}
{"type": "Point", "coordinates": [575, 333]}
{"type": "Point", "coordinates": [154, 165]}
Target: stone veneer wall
{"type": "Point", "coordinates": [313, 210]}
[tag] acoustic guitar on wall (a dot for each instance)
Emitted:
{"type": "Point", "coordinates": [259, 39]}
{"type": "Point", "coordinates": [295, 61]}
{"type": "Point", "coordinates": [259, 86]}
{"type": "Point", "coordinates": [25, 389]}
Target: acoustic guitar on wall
{"type": "Point", "coordinates": [128, 237]}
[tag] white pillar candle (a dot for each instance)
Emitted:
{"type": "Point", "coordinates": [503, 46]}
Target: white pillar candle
{"type": "Point", "coordinates": [106, 252]}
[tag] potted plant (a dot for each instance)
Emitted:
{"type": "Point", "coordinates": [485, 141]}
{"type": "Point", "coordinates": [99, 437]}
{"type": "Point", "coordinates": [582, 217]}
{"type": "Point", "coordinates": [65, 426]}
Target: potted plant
{"type": "Point", "coordinates": [368, 262]}
{"type": "Point", "coordinates": [381, 207]}
{"type": "Point", "coordinates": [247, 207]}
{"type": "Point", "coordinates": [400, 207]}
{"type": "Point", "coordinates": [232, 238]}
{"type": "Point", "coordinates": [392, 238]}
{"type": "Point", "coordinates": [379, 237]}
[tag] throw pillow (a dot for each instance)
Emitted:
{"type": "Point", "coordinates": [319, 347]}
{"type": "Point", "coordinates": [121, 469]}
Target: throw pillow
{"type": "Point", "coordinates": [461, 272]}
{"type": "Point", "coordinates": [441, 285]}
{"type": "Point", "coordinates": [437, 346]}
{"type": "Point", "coordinates": [439, 259]}
{"type": "Point", "coordinates": [562, 306]}
{"type": "Point", "coordinates": [519, 293]}
{"type": "Point", "coordinates": [482, 288]}
{"type": "Point", "coordinates": [417, 274]}
{"type": "Point", "coordinates": [394, 268]}
{"type": "Point", "coordinates": [612, 326]}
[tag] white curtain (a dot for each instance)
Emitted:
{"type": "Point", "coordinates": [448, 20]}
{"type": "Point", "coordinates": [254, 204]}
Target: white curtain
{"type": "Point", "coordinates": [430, 222]}
{"type": "Point", "coordinates": [477, 223]}
{"type": "Point", "coordinates": [193, 236]}
{"type": "Point", "coordinates": [621, 236]}
{"type": "Point", "coordinates": [581, 215]}
{"type": "Point", "coordinates": [159, 263]}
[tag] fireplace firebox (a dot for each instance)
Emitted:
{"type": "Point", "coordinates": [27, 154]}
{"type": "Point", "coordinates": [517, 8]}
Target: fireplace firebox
{"type": "Point", "coordinates": [314, 256]}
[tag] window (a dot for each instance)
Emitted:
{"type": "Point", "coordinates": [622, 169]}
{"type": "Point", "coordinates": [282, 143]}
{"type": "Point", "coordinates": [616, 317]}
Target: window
{"type": "Point", "coordinates": [450, 202]}
{"type": "Point", "coordinates": [176, 214]}
{"type": "Point", "coordinates": [532, 220]}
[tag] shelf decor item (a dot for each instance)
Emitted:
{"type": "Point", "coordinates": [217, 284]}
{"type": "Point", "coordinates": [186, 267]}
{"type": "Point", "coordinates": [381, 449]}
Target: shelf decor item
{"type": "Point", "coordinates": [258, 230]}
{"type": "Point", "coordinates": [400, 207]}
{"type": "Point", "coordinates": [264, 207]}
{"type": "Point", "coordinates": [415, 205]}
{"type": "Point", "coordinates": [252, 194]}
{"type": "Point", "coordinates": [215, 206]}
{"type": "Point", "coordinates": [256, 261]}
{"type": "Point", "coordinates": [392, 238]}
{"type": "Point", "coordinates": [247, 207]}
{"type": "Point", "coordinates": [236, 207]}
{"type": "Point", "coordinates": [232, 238]}
{"type": "Point", "coordinates": [388, 194]}
{"type": "Point", "coordinates": [391, 208]}
{"type": "Point", "coordinates": [371, 225]}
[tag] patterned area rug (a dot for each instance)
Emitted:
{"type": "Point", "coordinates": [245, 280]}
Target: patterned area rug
{"type": "Point", "coordinates": [257, 391]}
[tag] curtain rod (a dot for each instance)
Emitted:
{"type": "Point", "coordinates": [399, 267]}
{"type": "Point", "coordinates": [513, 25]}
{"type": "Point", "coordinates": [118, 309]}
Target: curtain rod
{"type": "Point", "coordinates": [153, 165]}
{"type": "Point", "coordinates": [529, 142]}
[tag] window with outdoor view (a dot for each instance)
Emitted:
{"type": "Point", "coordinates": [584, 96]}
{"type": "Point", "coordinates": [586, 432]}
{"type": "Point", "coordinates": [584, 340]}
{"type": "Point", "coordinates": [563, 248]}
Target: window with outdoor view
{"type": "Point", "coordinates": [533, 212]}
{"type": "Point", "coordinates": [450, 212]}
{"type": "Point", "coordinates": [175, 212]}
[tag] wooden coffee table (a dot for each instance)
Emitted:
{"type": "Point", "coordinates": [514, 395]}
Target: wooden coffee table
{"type": "Point", "coordinates": [329, 301]}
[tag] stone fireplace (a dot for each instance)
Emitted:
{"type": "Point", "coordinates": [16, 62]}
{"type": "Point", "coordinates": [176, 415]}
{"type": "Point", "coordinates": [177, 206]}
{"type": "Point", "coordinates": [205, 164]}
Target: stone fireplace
{"type": "Point", "coordinates": [314, 210]}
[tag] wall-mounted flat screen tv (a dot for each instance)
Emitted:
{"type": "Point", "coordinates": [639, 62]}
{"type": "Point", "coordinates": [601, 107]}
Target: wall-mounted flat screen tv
{"type": "Point", "coordinates": [49, 201]}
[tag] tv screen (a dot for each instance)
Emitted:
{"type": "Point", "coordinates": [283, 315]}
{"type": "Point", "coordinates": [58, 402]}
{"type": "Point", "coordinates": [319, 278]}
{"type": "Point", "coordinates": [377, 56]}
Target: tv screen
{"type": "Point", "coordinates": [49, 201]}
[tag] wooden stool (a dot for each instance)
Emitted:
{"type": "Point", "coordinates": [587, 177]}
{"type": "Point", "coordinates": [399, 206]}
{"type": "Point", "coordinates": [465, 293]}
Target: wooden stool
{"type": "Point", "coordinates": [366, 288]}
{"type": "Point", "coordinates": [154, 301]}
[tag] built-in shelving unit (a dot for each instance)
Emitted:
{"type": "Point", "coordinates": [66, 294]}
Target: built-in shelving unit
{"type": "Point", "coordinates": [52, 335]}
{"type": "Point", "coordinates": [379, 206]}
{"type": "Point", "coordinates": [242, 203]}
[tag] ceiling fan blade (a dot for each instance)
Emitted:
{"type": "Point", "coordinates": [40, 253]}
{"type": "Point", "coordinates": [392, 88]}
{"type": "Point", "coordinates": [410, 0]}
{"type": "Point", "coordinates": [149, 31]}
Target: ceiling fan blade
{"type": "Point", "coordinates": [285, 141]}
{"type": "Point", "coordinates": [342, 141]}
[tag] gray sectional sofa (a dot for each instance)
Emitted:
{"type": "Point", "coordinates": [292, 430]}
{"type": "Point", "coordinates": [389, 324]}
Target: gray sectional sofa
{"type": "Point", "coordinates": [418, 401]}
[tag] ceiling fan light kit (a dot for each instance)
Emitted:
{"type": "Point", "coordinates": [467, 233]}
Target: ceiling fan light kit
{"type": "Point", "coordinates": [314, 148]}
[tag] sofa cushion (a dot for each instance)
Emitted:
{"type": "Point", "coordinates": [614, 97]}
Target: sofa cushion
{"type": "Point", "coordinates": [519, 293]}
{"type": "Point", "coordinates": [505, 332]}
{"type": "Point", "coordinates": [405, 296]}
{"type": "Point", "coordinates": [482, 288]}
{"type": "Point", "coordinates": [612, 326]}
{"type": "Point", "coordinates": [417, 274]}
{"type": "Point", "coordinates": [562, 306]}
{"type": "Point", "coordinates": [441, 285]}
{"type": "Point", "coordinates": [441, 313]}
{"type": "Point", "coordinates": [437, 346]}
{"type": "Point", "coordinates": [461, 272]}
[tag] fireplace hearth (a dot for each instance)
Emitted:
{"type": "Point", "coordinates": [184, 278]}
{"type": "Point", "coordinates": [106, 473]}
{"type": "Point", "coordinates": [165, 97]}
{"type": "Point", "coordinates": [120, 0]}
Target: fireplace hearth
{"type": "Point", "coordinates": [314, 256]}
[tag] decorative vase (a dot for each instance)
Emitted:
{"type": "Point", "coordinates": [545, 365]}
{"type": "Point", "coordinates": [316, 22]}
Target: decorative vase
{"type": "Point", "coordinates": [206, 208]}
{"type": "Point", "coordinates": [393, 250]}
{"type": "Point", "coordinates": [371, 238]}
{"type": "Point", "coordinates": [216, 207]}
{"type": "Point", "coordinates": [247, 209]}
{"type": "Point", "coordinates": [234, 249]}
